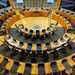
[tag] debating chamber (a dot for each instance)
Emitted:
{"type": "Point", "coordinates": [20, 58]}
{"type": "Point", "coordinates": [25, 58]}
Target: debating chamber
{"type": "Point", "coordinates": [37, 37]}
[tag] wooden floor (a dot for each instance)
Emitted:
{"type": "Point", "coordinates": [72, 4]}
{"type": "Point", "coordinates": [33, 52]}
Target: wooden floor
{"type": "Point", "coordinates": [35, 23]}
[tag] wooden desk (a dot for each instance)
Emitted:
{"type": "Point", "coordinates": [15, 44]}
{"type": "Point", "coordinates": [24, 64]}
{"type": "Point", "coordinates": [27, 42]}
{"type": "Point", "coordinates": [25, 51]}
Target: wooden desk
{"type": "Point", "coordinates": [21, 68]}
{"type": "Point", "coordinates": [34, 47]}
{"type": "Point", "coordinates": [43, 46]}
{"type": "Point", "coordinates": [1, 40]}
{"type": "Point", "coordinates": [70, 61]}
{"type": "Point", "coordinates": [48, 68]}
{"type": "Point", "coordinates": [9, 64]}
{"type": "Point", "coordinates": [34, 69]}
{"type": "Point", "coordinates": [1, 59]}
{"type": "Point", "coordinates": [24, 46]}
{"type": "Point", "coordinates": [41, 33]}
{"type": "Point", "coordinates": [60, 65]}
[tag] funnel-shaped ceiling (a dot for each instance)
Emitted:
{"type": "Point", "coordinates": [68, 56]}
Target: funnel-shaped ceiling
{"type": "Point", "coordinates": [36, 3]}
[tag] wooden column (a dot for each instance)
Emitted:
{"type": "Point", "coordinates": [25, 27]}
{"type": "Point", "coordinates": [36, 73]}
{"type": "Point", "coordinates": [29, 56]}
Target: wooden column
{"type": "Point", "coordinates": [12, 4]}
{"type": "Point", "coordinates": [58, 2]}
